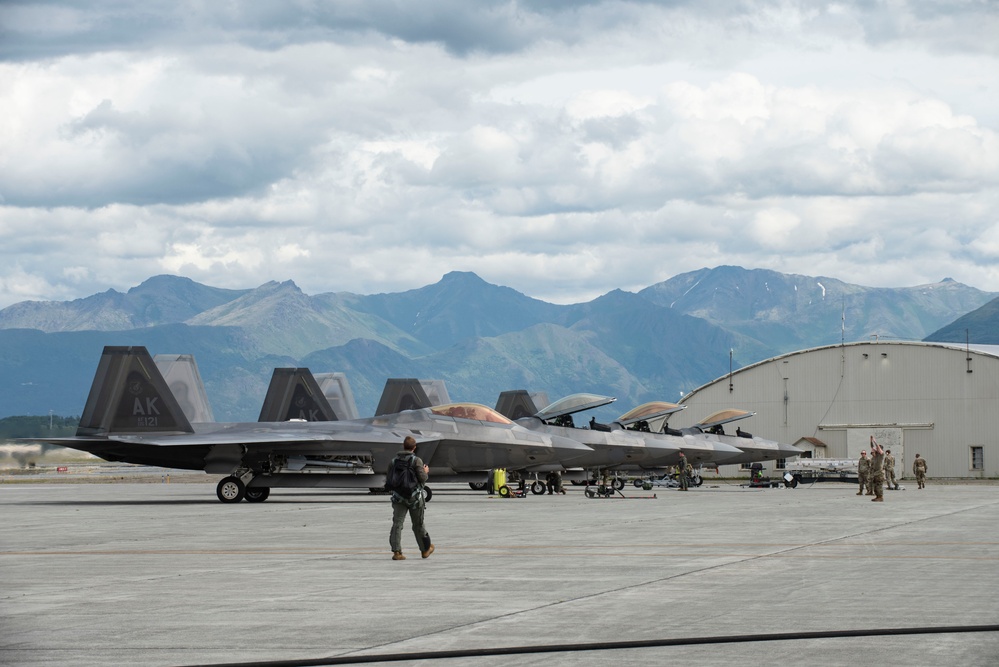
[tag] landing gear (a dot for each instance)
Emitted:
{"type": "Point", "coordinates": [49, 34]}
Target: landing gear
{"type": "Point", "coordinates": [257, 494]}
{"type": "Point", "coordinates": [538, 488]}
{"type": "Point", "coordinates": [230, 490]}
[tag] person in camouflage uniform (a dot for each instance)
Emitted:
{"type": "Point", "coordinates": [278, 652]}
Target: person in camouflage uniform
{"type": "Point", "coordinates": [681, 470]}
{"type": "Point", "coordinates": [877, 471]}
{"type": "Point", "coordinates": [863, 472]}
{"type": "Point", "coordinates": [890, 471]}
{"type": "Point", "coordinates": [919, 470]}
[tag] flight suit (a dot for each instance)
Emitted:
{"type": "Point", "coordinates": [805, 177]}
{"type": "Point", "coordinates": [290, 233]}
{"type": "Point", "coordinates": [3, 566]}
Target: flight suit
{"type": "Point", "coordinates": [681, 470]}
{"type": "Point", "coordinates": [414, 507]}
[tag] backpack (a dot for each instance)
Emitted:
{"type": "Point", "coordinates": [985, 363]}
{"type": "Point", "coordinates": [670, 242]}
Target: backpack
{"type": "Point", "coordinates": [402, 479]}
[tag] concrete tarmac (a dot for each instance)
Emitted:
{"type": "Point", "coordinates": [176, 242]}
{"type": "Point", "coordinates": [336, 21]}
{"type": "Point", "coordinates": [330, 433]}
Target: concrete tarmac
{"type": "Point", "coordinates": [164, 574]}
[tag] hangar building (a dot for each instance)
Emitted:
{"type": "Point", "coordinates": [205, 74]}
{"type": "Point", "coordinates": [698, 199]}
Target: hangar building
{"type": "Point", "coordinates": [938, 400]}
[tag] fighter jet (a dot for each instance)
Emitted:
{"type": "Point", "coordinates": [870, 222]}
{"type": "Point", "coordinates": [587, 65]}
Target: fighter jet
{"type": "Point", "coordinates": [132, 416]}
{"type": "Point", "coordinates": [613, 448]}
{"type": "Point", "coordinates": [753, 448]}
{"type": "Point", "coordinates": [652, 418]}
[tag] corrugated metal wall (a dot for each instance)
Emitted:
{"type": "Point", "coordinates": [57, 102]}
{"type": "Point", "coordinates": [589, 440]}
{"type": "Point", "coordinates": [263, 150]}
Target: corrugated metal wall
{"type": "Point", "coordinates": [924, 389]}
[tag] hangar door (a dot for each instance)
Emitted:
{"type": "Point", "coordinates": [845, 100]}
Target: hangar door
{"type": "Point", "coordinates": [859, 439]}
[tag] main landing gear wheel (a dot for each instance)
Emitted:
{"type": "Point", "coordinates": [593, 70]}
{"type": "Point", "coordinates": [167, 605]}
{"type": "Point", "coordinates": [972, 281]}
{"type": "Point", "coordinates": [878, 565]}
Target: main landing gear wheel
{"type": "Point", "coordinates": [538, 488]}
{"type": "Point", "coordinates": [230, 490]}
{"type": "Point", "coordinates": [477, 486]}
{"type": "Point", "coordinates": [257, 494]}
{"type": "Point", "coordinates": [618, 484]}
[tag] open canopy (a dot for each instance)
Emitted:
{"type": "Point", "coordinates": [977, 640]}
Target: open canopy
{"type": "Point", "coordinates": [649, 411]}
{"type": "Point", "coordinates": [573, 404]}
{"type": "Point", "coordinates": [724, 417]}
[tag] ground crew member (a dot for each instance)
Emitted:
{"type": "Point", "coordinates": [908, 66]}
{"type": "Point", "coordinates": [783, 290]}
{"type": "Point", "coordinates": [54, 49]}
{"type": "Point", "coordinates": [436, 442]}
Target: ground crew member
{"type": "Point", "coordinates": [553, 482]}
{"type": "Point", "coordinates": [681, 469]}
{"type": "Point", "coordinates": [890, 471]}
{"type": "Point", "coordinates": [877, 471]}
{"type": "Point", "coordinates": [863, 472]}
{"type": "Point", "coordinates": [919, 470]}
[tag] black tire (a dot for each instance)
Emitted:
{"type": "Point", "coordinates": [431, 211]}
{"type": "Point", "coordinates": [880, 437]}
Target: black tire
{"type": "Point", "coordinates": [257, 494]}
{"type": "Point", "coordinates": [696, 480]}
{"type": "Point", "coordinates": [230, 490]}
{"type": "Point", "coordinates": [637, 483]}
{"type": "Point", "coordinates": [477, 486]}
{"type": "Point", "coordinates": [538, 488]}
{"type": "Point", "coordinates": [428, 493]}
{"type": "Point", "coordinates": [505, 491]}
{"type": "Point", "coordinates": [590, 492]}
{"type": "Point", "coordinates": [618, 484]}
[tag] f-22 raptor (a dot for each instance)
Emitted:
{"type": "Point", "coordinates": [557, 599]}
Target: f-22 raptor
{"type": "Point", "coordinates": [132, 416]}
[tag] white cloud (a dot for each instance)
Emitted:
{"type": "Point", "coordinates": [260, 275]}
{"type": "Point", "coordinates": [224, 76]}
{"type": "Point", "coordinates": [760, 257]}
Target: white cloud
{"type": "Point", "coordinates": [563, 153]}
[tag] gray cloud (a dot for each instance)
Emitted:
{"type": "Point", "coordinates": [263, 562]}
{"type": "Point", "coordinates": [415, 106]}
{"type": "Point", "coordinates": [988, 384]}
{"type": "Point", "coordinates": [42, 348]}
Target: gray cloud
{"type": "Point", "coordinates": [562, 149]}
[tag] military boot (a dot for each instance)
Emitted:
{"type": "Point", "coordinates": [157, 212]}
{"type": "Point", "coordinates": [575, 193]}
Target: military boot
{"type": "Point", "coordinates": [427, 547]}
{"type": "Point", "coordinates": [397, 555]}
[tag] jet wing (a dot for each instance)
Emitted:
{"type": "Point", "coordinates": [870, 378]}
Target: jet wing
{"type": "Point", "coordinates": [277, 439]}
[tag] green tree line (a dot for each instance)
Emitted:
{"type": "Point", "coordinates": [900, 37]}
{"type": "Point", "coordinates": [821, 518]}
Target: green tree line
{"type": "Point", "coordinates": [45, 426]}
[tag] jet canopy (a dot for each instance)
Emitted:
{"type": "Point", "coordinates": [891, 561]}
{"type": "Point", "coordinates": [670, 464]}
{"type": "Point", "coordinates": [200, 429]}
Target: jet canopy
{"type": "Point", "coordinates": [573, 404]}
{"type": "Point", "coordinates": [724, 417]}
{"type": "Point", "coordinates": [470, 411]}
{"type": "Point", "coordinates": [649, 411]}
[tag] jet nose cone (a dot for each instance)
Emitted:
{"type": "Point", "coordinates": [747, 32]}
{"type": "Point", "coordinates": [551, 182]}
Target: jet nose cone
{"type": "Point", "coordinates": [567, 449]}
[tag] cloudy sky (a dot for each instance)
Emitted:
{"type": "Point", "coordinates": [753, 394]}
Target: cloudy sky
{"type": "Point", "coordinates": [564, 149]}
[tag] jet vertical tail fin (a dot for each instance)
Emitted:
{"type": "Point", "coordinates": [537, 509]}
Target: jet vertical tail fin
{"type": "Point", "coordinates": [181, 374]}
{"type": "Point", "coordinates": [402, 394]}
{"type": "Point", "coordinates": [516, 404]}
{"type": "Point", "coordinates": [129, 395]}
{"type": "Point", "coordinates": [295, 394]}
{"type": "Point", "coordinates": [337, 391]}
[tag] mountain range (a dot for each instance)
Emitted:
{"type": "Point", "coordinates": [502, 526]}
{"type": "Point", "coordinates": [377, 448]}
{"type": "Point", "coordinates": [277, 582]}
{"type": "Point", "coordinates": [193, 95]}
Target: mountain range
{"type": "Point", "coordinates": [656, 344]}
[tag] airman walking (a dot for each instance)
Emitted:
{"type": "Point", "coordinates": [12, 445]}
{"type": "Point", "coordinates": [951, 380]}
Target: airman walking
{"type": "Point", "coordinates": [919, 470]}
{"type": "Point", "coordinates": [890, 470]}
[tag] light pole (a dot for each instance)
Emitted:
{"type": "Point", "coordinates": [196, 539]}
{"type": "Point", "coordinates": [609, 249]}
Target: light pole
{"type": "Point", "coordinates": [730, 352]}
